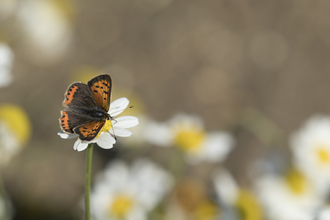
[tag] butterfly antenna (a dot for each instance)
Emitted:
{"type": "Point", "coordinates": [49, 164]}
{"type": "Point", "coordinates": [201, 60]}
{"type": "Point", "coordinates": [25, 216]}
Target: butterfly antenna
{"type": "Point", "coordinates": [112, 119]}
{"type": "Point", "coordinates": [113, 130]}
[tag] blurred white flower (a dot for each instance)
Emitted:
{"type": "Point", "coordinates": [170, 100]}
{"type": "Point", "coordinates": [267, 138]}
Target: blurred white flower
{"type": "Point", "coordinates": [47, 32]}
{"type": "Point", "coordinates": [9, 144]}
{"type": "Point", "coordinates": [289, 198]}
{"type": "Point", "coordinates": [114, 127]}
{"type": "Point", "coordinates": [311, 152]}
{"type": "Point", "coordinates": [15, 131]}
{"type": "Point", "coordinates": [237, 203]}
{"type": "Point", "coordinates": [188, 133]}
{"type": "Point", "coordinates": [324, 213]}
{"type": "Point", "coordinates": [123, 193]}
{"type": "Point", "coordinates": [225, 186]}
{"type": "Point", "coordinates": [6, 63]}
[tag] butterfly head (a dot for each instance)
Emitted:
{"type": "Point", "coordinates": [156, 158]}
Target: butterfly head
{"type": "Point", "coordinates": [99, 115]}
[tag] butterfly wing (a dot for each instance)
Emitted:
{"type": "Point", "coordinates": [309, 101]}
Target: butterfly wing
{"type": "Point", "coordinates": [101, 86]}
{"type": "Point", "coordinates": [70, 119]}
{"type": "Point", "coordinates": [80, 100]}
{"type": "Point", "coordinates": [89, 131]}
{"type": "Point", "coordinates": [78, 95]}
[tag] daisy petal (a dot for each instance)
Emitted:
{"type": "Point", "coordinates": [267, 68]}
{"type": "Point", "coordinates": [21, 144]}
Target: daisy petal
{"type": "Point", "coordinates": [118, 106]}
{"type": "Point", "coordinates": [158, 133]}
{"type": "Point", "coordinates": [66, 135]}
{"type": "Point", "coordinates": [121, 132]}
{"type": "Point", "coordinates": [105, 141]}
{"type": "Point", "coordinates": [217, 146]}
{"type": "Point", "coordinates": [126, 121]}
{"type": "Point", "coordinates": [79, 145]}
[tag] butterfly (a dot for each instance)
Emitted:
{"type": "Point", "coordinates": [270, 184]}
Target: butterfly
{"type": "Point", "coordinates": [86, 107]}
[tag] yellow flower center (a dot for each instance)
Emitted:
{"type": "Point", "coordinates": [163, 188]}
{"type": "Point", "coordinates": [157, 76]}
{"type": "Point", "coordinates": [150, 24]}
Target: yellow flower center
{"type": "Point", "coordinates": [296, 181]}
{"type": "Point", "coordinates": [206, 211]}
{"type": "Point", "coordinates": [323, 154]}
{"type": "Point", "coordinates": [121, 205]}
{"type": "Point", "coordinates": [106, 127]}
{"type": "Point", "coordinates": [17, 121]}
{"type": "Point", "coordinates": [189, 139]}
{"type": "Point", "coordinates": [248, 206]}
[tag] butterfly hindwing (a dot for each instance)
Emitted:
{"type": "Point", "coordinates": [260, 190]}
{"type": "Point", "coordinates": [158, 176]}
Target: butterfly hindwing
{"type": "Point", "coordinates": [78, 95]}
{"type": "Point", "coordinates": [89, 131]}
{"type": "Point", "coordinates": [101, 86]}
{"type": "Point", "coordinates": [69, 120]}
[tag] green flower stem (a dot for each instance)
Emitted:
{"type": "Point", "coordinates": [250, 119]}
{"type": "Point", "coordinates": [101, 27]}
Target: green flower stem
{"type": "Point", "coordinates": [88, 181]}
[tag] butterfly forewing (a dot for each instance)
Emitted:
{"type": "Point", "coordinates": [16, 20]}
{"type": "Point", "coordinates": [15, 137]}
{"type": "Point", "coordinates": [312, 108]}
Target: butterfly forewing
{"type": "Point", "coordinates": [69, 120]}
{"type": "Point", "coordinates": [78, 95]}
{"type": "Point", "coordinates": [100, 86]}
{"type": "Point", "coordinates": [89, 131]}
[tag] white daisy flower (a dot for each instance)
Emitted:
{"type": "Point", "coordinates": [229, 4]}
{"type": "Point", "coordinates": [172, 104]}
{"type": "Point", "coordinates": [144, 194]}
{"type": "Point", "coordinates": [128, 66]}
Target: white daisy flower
{"type": "Point", "coordinates": [123, 193]}
{"type": "Point", "coordinates": [188, 133]}
{"type": "Point", "coordinates": [9, 144]}
{"type": "Point", "coordinates": [324, 213]}
{"type": "Point", "coordinates": [311, 152]}
{"type": "Point", "coordinates": [225, 187]}
{"type": "Point", "coordinates": [116, 127]}
{"type": "Point", "coordinates": [237, 202]}
{"type": "Point", "coordinates": [6, 63]}
{"type": "Point", "coordinates": [39, 18]}
{"type": "Point", "coordinates": [15, 131]}
{"type": "Point", "coordinates": [290, 198]}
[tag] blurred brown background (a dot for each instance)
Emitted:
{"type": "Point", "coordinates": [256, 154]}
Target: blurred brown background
{"type": "Point", "coordinates": [207, 57]}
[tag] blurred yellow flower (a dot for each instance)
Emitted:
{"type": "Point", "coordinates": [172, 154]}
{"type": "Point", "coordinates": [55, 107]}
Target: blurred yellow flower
{"type": "Point", "coordinates": [17, 121]}
{"type": "Point", "coordinates": [207, 210]}
{"type": "Point", "coordinates": [121, 205]}
{"type": "Point", "coordinates": [287, 198]}
{"type": "Point", "coordinates": [296, 181]}
{"type": "Point", "coordinates": [230, 194]}
{"type": "Point", "coordinates": [187, 132]}
{"type": "Point", "coordinates": [125, 192]}
{"type": "Point", "coordinates": [310, 146]}
{"type": "Point", "coordinates": [323, 154]}
{"type": "Point", "coordinates": [189, 139]}
{"type": "Point", "coordinates": [84, 74]}
{"type": "Point", "coordinates": [139, 106]}
{"type": "Point", "coordinates": [139, 110]}
{"type": "Point", "coordinates": [15, 131]}
{"type": "Point", "coordinates": [248, 205]}
{"type": "Point", "coordinates": [67, 8]}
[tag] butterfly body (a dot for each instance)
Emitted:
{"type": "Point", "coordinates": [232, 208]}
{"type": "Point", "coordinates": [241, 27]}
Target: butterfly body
{"type": "Point", "coordinates": [95, 114]}
{"type": "Point", "coordinates": [86, 107]}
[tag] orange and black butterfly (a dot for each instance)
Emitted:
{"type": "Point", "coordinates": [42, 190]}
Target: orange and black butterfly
{"type": "Point", "coordinates": [86, 107]}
